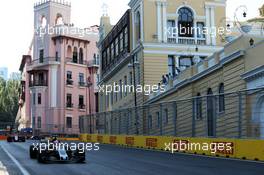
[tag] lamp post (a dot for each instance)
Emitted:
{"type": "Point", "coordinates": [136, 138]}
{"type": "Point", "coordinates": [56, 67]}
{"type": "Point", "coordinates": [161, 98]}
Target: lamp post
{"type": "Point", "coordinates": [133, 65]}
{"type": "Point", "coordinates": [89, 85]}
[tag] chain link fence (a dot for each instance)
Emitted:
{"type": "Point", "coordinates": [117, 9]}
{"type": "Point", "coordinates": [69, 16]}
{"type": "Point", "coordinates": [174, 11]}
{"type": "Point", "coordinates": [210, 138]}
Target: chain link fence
{"type": "Point", "coordinates": [230, 115]}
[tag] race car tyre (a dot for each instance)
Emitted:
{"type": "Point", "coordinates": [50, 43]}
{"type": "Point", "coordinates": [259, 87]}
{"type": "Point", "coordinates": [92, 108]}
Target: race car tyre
{"type": "Point", "coordinates": [9, 139]}
{"type": "Point", "coordinates": [40, 158]}
{"type": "Point", "coordinates": [32, 153]}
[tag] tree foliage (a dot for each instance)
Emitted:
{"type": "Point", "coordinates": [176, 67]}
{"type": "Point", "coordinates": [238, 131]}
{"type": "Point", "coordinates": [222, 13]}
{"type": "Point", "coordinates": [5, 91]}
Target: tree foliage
{"type": "Point", "coordinates": [9, 96]}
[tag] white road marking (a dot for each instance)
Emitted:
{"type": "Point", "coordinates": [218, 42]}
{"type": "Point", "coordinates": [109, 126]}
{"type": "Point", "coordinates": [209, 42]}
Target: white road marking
{"type": "Point", "coordinates": [21, 168]}
{"type": "Point", "coordinates": [3, 170]}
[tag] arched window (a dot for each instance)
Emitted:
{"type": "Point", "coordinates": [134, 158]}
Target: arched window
{"type": "Point", "coordinates": [43, 21]}
{"type": "Point", "coordinates": [185, 22]}
{"type": "Point", "coordinates": [198, 106]}
{"type": "Point", "coordinates": [59, 20]}
{"type": "Point", "coordinates": [210, 113]}
{"type": "Point", "coordinates": [81, 56]}
{"type": "Point", "coordinates": [138, 26]}
{"type": "Point", "coordinates": [221, 98]}
{"type": "Point", "coordinates": [69, 51]}
{"type": "Point", "coordinates": [75, 55]}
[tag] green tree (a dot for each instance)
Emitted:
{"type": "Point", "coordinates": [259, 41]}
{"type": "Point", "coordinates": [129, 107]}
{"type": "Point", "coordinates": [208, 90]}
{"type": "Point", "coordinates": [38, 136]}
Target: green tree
{"type": "Point", "coordinates": [9, 96]}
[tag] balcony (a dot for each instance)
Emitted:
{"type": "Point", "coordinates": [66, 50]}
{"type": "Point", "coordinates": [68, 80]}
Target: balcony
{"type": "Point", "coordinates": [82, 106]}
{"type": "Point", "coordinates": [69, 105]}
{"type": "Point", "coordinates": [38, 83]}
{"type": "Point", "coordinates": [82, 84]}
{"type": "Point", "coordinates": [187, 40]}
{"type": "Point", "coordinates": [76, 61]}
{"type": "Point", "coordinates": [93, 63]}
{"type": "Point", "coordinates": [45, 61]}
{"type": "Point", "coordinates": [69, 82]}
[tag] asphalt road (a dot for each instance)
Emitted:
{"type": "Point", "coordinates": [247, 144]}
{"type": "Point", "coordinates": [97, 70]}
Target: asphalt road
{"type": "Point", "coordinates": [111, 160]}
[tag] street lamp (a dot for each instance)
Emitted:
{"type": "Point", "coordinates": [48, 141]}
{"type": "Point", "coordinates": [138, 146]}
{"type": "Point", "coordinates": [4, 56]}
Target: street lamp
{"type": "Point", "coordinates": [133, 65]}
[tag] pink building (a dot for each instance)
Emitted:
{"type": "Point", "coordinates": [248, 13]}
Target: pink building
{"type": "Point", "coordinates": [59, 80]}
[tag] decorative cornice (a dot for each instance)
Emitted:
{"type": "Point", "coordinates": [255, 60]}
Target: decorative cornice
{"type": "Point", "coordinates": [253, 74]}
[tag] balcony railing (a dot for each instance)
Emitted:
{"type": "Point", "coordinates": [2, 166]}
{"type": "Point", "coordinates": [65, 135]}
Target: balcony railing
{"type": "Point", "coordinates": [69, 105]}
{"type": "Point", "coordinates": [78, 61]}
{"type": "Point", "coordinates": [82, 84]}
{"type": "Point", "coordinates": [46, 60]}
{"type": "Point", "coordinates": [38, 83]}
{"type": "Point", "coordinates": [187, 40]}
{"type": "Point", "coordinates": [93, 63]}
{"type": "Point", "coordinates": [81, 106]}
{"type": "Point", "coordinates": [69, 82]}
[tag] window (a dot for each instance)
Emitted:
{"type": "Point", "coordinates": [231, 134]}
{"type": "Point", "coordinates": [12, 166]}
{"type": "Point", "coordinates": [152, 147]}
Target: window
{"type": "Point", "coordinates": [200, 30]}
{"type": "Point", "coordinates": [39, 122]}
{"type": "Point", "coordinates": [34, 98]}
{"type": "Point", "coordinates": [125, 85]}
{"type": "Point", "coordinates": [158, 119]}
{"type": "Point", "coordinates": [69, 122]}
{"type": "Point", "coordinates": [75, 55]}
{"type": "Point", "coordinates": [81, 79]}
{"type": "Point", "coordinates": [108, 56]}
{"type": "Point", "coordinates": [171, 65]}
{"type": "Point", "coordinates": [81, 56]}
{"type": "Point", "coordinates": [120, 92]}
{"type": "Point", "coordinates": [166, 116]}
{"type": "Point", "coordinates": [138, 27]}
{"type": "Point", "coordinates": [81, 102]}
{"type": "Point", "coordinates": [41, 79]}
{"type": "Point", "coordinates": [69, 75]}
{"type": "Point", "coordinates": [39, 98]}
{"type": "Point", "coordinates": [57, 56]}
{"type": "Point", "coordinates": [112, 51]}
{"type": "Point", "coordinates": [41, 55]}
{"type": "Point", "coordinates": [126, 38]}
{"type": "Point", "coordinates": [59, 20]}
{"type": "Point", "coordinates": [121, 44]}
{"type": "Point", "coordinates": [69, 78]}
{"type": "Point", "coordinates": [112, 98]}
{"type": "Point", "coordinates": [33, 122]}
{"type": "Point", "coordinates": [116, 47]}
{"type": "Point", "coordinates": [107, 100]}
{"type": "Point", "coordinates": [69, 101]}
{"type": "Point", "coordinates": [171, 28]}
{"type": "Point", "coordinates": [221, 98]}
{"type": "Point", "coordinates": [185, 22]}
{"type": "Point", "coordinates": [185, 62]}
{"type": "Point", "coordinates": [115, 92]}
{"type": "Point", "coordinates": [104, 57]}
{"type": "Point", "coordinates": [198, 106]}
{"type": "Point", "coordinates": [150, 121]}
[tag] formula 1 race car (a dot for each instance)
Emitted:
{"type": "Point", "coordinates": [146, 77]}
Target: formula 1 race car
{"type": "Point", "coordinates": [46, 151]}
{"type": "Point", "coordinates": [15, 138]}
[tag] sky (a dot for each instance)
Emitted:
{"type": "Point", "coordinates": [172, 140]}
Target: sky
{"type": "Point", "coordinates": [16, 17]}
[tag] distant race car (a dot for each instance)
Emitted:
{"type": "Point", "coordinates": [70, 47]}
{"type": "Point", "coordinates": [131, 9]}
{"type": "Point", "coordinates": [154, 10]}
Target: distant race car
{"type": "Point", "coordinates": [16, 138]}
{"type": "Point", "coordinates": [62, 154]}
{"type": "Point", "coordinates": [37, 137]}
